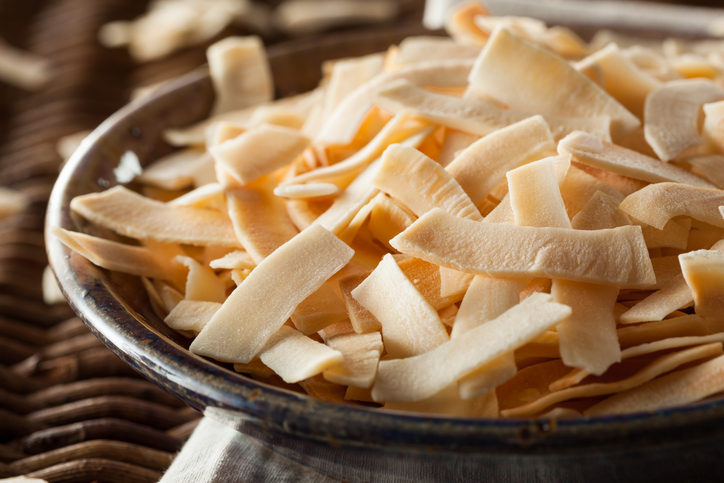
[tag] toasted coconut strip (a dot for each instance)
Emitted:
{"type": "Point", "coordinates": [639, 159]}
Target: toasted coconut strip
{"type": "Point", "coordinates": [135, 216]}
{"type": "Point", "coordinates": [303, 17]}
{"type": "Point", "coordinates": [674, 235]}
{"type": "Point", "coordinates": [535, 197]}
{"type": "Point", "coordinates": [410, 325]}
{"type": "Point", "coordinates": [278, 115]}
{"type": "Point", "coordinates": [475, 116]}
{"type": "Point", "coordinates": [352, 199]}
{"type": "Point", "coordinates": [702, 270]}
{"type": "Point", "coordinates": [622, 78]}
{"type": "Point", "coordinates": [672, 296]}
{"type": "Point", "coordinates": [358, 394]}
{"type": "Point", "coordinates": [460, 24]}
{"type": "Point", "coordinates": [486, 378]}
{"type": "Point", "coordinates": [656, 204]}
{"type": "Point", "coordinates": [713, 129]}
{"type": "Point", "coordinates": [570, 379]}
{"type": "Point", "coordinates": [530, 383]}
{"type": "Point", "coordinates": [343, 122]}
{"type": "Point", "coordinates": [346, 76]}
{"type": "Point", "coordinates": [580, 187]}
{"type": "Point", "coordinates": [321, 309]}
{"type": "Point", "coordinates": [426, 48]}
{"type": "Point", "coordinates": [648, 59]}
{"type": "Point", "coordinates": [449, 403]}
{"type": "Point", "coordinates": [221, 131]}
{"type": "Point", "coordinates": [11, 202]}
{"type": "Point", "coordinates": [681, 387]}
{"type": "Point", "coordinates": [588, 336]}
{"type": "Point", "coordinates": [670, 343]}
{"type": "Point", "coordinates": [682, 326]}
{"type": "Point", "coordinates": [526, 76]}
{"type": "Point", "coordinates": [373, 123]}
{"type": "Point", "coordinates": [421, 184]}
{"type": "Point", "coordinates": [502, 213]}
{"type": "Point", "coordinates": [239, 275]}
{"type": "Point", "coordinates": [323, 390]}
{"type": "Point", "coordinates": [401, 128]}
{"type": "Point", "coordinates": [343, 327]}
{"type": "Point", "coordinates": [710, 165]}
{"type": "Point", "coordinates": [419, 377]}
{"type": "Point", "coordinates": [362, 320]}
{"type": "Point", "coordinates": [196, 133]}
{"type": "Point", "coordinates": [482, 166]}
{"type": "Point", "coordinates": [361, 355]}
{"type": "Point", "coordinates": [260, 219]}
{"type": "Point", "coordinates": [453, 283]}
{"type": "Point", "coordinates": [309, 190]}
{"type": "Point", "coordinates": [259, 151]}
{"type": "Point", "coordinates": [256, 309]}
{"type": "Point", "coordinates": [703, 236]}
{"type": "Point", "coordinates": [191, 315]}
{"type": "Point", "coordinates": [170, 297]}
{"type": "Point", "coordinates": [120, 257]}
{"type": "Point", "coordinates": [23, 69]}
{"type": "Point", "coordinates": [672, 115]}
{"type": "Point", "coordinates": [590, 150]}
{"type": "Point", "coordinates": [172, 172]}
{"type": "Point", "coordinates": [51, 290]}
{"type": "Point", "coordinates": [448, 315]}
{"type": "Point", "coordinates": [202, 284]}
{"type": "Point", "coordinates": [208, 195]}
{"type": "Point", "coordinates": [66, 145]}
{"type": "Point", "coordinates": [240, 73]}
{"type": "Point", "coordinates": [439, 289]}
{"type": "Point", "coordinates": [255, 367]}
{"type": "Point", "coordinates": [295, 357]}
{"type": "Point", "coordinates": [656, 346]}
{"type": "Point", "coordinates": [659, 366]}
{"type": "Point", "coordinates": [454, 143]}
{"type": "Point", "coordinates": [388, 219]}
{"type": "Point", "coordinates": [232, 260]}
{"type": "Point", "coordinates": [204, 172]}
{"type": "Point", "coordinates": [537, 285]}
{"type": "Point", "coordinates": [665, 268]}
{"type": "Point", "coordinates": [354, 226]}
{"type": "Point", "coordinates": [486, 299]}
{"type": "Point", "coordinates": [601, 212]}
{"type": "Point", "coordinates": [691, 66]}
{"type": "Point", "coordinates": [304, 212]}
{"type": "Point", "coordinates": [157, 304]}
{"type": "Point", "coordinates": [557, 39]}
{"type": "Point", "coordinates": [609, 257]}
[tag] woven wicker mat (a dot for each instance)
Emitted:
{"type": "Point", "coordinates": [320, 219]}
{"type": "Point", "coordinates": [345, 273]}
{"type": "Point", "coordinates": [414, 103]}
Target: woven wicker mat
{"type": "Point", "coordinates": [70, 411]}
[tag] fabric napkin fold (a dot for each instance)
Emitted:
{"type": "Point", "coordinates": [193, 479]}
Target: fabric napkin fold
{"type": "Point", "coordinates": [216, 453]}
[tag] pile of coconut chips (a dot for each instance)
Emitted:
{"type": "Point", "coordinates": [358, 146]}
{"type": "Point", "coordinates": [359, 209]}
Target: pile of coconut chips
{"type": "Point", "coordinates": [509, 222]}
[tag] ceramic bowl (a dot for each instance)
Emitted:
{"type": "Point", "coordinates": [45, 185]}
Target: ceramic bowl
{"type": "Point", "coordinates": [347, 442]}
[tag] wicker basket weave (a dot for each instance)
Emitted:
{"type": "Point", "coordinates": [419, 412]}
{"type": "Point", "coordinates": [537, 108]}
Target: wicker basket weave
{"type": "Point", "coordinates": [70, 411]}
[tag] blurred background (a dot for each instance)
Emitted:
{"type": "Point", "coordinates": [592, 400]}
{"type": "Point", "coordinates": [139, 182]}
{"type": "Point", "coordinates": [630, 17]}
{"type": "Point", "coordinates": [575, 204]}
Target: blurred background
{"type": "Point", "coordinates": [69, 409]}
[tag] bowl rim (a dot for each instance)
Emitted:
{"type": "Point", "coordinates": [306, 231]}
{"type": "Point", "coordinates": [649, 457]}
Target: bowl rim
{"type": "Point", "coordinates": [202, 383]}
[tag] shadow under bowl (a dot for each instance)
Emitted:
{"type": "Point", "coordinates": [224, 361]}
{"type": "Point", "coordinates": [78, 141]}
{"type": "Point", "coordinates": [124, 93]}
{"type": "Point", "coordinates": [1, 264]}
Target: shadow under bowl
{"type": "Point", "coordinates": [348, 442]}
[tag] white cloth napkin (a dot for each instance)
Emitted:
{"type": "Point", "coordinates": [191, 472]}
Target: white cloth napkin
{"type": "Point", "coordinates": [216, 453]}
